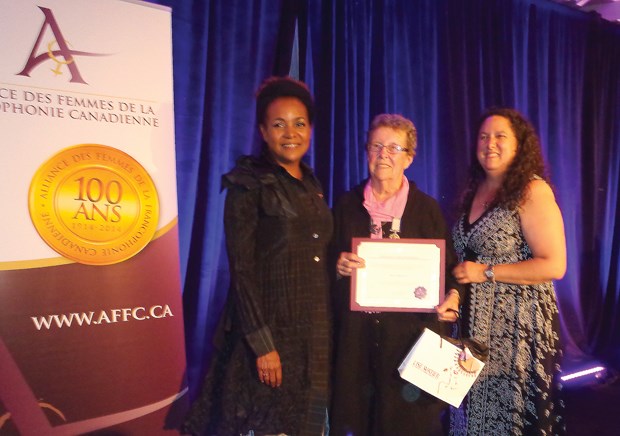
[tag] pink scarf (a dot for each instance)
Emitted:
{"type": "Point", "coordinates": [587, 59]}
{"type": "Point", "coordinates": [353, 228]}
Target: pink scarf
{"type": "Point", "coordinates": [379, 212]}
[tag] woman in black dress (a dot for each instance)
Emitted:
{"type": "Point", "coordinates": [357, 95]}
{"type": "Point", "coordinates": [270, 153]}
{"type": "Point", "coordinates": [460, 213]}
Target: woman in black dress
{"type": "Point", "coordinates": [370, 397]}
{"type": "Point", "coordinates": [270, 372]}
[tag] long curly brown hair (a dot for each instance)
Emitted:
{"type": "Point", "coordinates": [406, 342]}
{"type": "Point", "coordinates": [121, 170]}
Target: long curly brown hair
{"type": "Point", "coordinates": [527, 164]}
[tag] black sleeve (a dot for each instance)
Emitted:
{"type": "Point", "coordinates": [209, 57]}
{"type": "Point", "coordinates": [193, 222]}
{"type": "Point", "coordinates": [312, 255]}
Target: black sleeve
{"type": "Point", "coordinates": [241, 215]}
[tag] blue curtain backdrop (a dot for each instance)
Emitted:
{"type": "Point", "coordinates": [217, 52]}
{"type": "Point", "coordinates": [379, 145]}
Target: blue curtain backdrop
{"type": "Point", "coordinates": [438, 62]}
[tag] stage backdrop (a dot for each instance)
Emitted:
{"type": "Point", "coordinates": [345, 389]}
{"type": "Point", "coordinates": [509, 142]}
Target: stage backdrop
{"type": "Point", "coordinates": [91, 323]}
{"type": "Point", "coordinates": [439, 62]}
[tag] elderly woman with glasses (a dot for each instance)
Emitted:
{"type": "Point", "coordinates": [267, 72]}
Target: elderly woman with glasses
{"type": "Point", "coordinates": [369, 397]}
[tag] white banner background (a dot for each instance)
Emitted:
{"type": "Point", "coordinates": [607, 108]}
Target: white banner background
{"type": "Point", "coordinates": [125, 369]}
{"type": "Point", "coordinates": [129, 63]}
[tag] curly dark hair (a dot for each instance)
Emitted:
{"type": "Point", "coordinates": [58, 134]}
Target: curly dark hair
{"type": "Point", "coordinates": [527, 164]}
{"type": "Point", "coordinates": [274, 87]}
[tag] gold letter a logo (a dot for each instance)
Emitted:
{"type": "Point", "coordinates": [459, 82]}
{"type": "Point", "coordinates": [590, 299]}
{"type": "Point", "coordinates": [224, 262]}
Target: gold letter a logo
{"type": "Point", "coordinates": [62, 51]}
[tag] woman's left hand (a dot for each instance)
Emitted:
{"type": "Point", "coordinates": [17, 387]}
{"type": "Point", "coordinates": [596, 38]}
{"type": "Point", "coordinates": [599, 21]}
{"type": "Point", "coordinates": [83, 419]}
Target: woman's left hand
{"type": "Point", "coordinates": [469, 272]}
{"type": "Point", "coordinates": [447, 311]}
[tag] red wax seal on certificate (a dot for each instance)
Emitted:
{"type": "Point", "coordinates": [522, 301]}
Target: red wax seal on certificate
{"type": "Point", "coordinates": [420, 292]}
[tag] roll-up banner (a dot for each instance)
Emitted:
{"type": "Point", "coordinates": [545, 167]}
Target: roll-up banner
{"type": "Point", "coordinates": [91, 323]}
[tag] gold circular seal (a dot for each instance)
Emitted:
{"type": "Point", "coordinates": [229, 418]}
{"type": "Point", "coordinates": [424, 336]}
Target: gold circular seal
{"type": "Point", "coordinates": [94, 204]}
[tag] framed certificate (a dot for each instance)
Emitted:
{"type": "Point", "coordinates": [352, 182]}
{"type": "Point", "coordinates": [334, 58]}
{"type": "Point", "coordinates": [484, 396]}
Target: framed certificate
{"type": "Point", "coordinates": [401, 275]}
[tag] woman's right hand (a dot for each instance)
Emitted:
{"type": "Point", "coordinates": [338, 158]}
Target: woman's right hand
{"type": "Point", "coordinates": [347, 262]}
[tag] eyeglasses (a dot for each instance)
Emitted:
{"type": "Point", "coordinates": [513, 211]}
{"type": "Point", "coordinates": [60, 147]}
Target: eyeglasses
{"type": "Point", "coordinates": [391, 148]}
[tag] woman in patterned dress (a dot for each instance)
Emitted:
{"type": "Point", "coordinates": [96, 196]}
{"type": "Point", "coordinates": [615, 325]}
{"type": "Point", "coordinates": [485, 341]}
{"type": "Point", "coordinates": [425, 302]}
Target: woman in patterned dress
{"type": "Point", "coordinates": [511, 245]}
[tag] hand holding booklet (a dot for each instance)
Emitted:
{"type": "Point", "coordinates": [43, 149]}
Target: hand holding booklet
{"type": "Point", "coordinates": [441, 368]}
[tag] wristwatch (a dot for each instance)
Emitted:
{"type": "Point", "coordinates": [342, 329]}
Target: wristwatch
{"type": "Point", "coordinates": [490, 274]}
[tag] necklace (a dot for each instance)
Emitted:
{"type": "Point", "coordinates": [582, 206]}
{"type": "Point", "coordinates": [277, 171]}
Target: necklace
{"type": "Point", "coordinates": [487, 200]}
{"type": "Point", "coordinates": [395, 228]}
{"type": "Point", "coordinates": [375, 229]}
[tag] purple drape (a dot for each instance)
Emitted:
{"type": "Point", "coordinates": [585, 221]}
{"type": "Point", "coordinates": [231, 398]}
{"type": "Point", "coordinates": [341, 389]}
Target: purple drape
{"type": "Point", "coordinates": [438, 62]}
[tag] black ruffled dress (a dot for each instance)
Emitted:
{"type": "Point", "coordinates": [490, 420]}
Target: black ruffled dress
{"type": "Point", "coordinates": [277, 232]}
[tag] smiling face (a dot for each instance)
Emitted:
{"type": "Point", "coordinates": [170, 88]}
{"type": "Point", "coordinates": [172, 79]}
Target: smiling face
{"type": "Point", "coordinates": [287, 131]}
{"type": "Point", "coordinates": [497, 145]}
{"type": "Point", "coordinates": [382, 165]}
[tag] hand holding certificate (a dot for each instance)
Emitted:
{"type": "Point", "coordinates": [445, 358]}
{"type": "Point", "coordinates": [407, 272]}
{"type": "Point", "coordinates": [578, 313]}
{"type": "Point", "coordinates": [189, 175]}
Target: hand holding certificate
{"type": "Point", "coordinates": [401, 275]}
